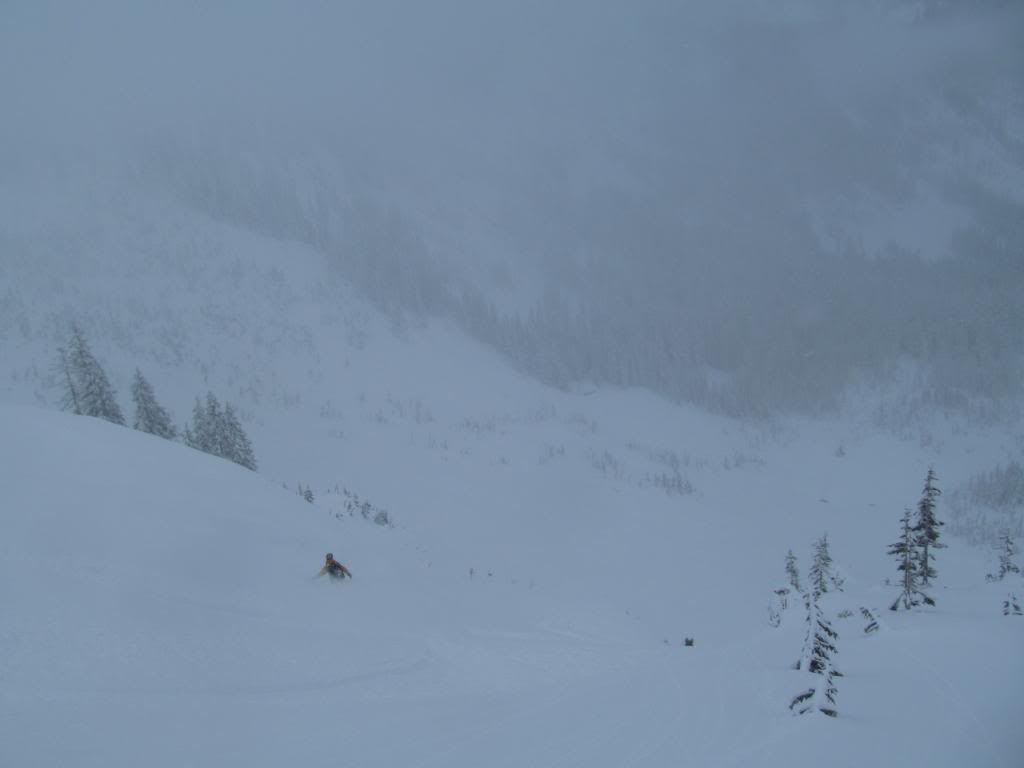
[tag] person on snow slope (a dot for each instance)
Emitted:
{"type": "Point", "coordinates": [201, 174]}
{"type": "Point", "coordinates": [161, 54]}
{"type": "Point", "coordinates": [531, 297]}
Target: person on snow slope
{"type": "Point", "coordinates": [334, 569]}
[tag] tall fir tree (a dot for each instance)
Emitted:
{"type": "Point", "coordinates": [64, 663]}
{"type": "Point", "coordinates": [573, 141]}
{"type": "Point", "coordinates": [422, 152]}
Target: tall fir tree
{"type": "Point", "coordinates": [792, 573]}
{"type": "Point", "coordinates": [820, 575]}
{"type": "Point", "coordinates": [150, 416]}
{"type": "Point", "coordinates": [214, 419]}
{"type": "Point", "coordinates": [199, 434]}
{"type": "Point", "coordinates": [236, 443]}
{"type": "Point", "coordinates": [926, 530]}
{"type": "Point", "coordinates": [87, 390]}
{"type": "Point", "coordinates": [905, 552]}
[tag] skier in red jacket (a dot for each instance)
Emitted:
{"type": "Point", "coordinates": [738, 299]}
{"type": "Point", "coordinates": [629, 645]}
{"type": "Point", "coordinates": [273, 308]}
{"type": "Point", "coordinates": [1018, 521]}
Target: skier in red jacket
{"type": "Point", "coordinates": [334, 569]}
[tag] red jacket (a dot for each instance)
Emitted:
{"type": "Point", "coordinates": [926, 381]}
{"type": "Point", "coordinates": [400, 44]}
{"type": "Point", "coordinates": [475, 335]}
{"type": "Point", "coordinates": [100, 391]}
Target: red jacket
{"type": "Point", "coordinates": [336, 569]}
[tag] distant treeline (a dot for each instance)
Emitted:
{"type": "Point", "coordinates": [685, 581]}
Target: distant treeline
{"type": "Point", "coordinates": [746, 319]}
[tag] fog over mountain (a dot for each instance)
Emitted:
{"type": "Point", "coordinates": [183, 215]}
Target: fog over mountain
{"type": "Point", "coordinates": [654, 369]}
{"type": "Point", "coordinates": [750, 205]}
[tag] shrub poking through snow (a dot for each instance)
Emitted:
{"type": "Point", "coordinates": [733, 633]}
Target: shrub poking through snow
{"type": "Point", "coordinates": [872, 621]}
{"type": "Point", "coordinates": [367, 510]}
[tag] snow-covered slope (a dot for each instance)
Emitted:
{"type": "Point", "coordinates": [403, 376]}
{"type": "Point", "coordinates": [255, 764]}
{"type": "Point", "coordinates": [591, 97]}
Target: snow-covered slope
{"type": "Point", "coordinates": [158, 606]}
{"type": "Point", "coordinates": [548, 553]}
{"type": "Point", "coordinates": [214, 221]}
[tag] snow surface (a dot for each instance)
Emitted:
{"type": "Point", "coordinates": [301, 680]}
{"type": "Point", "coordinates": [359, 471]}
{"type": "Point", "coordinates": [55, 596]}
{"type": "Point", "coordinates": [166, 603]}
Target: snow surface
{"type": "Point", "coordinates": [157, 605]}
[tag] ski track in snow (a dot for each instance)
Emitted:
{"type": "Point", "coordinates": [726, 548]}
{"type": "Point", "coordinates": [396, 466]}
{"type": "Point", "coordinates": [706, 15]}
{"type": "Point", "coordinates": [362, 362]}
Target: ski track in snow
{"type": "Point", "coordinates": [668, 729]}
{"type": "Point", "coordinates": [567, 729]}
{"type": "Point", "coordinates": [481, 736]}
{"type": "Point", "coordinates": [953, 698]}
{"type": "Point", "coordinates": [387, 669]}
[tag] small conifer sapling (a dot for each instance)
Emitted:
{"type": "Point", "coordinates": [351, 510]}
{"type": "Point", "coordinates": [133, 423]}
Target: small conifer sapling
{"type": "Point", "coordinates": [792, 573]}
{"type": "Point", "coordinates": [1007, 552]}
{"type": "Point", "coordinates": [821, 576]}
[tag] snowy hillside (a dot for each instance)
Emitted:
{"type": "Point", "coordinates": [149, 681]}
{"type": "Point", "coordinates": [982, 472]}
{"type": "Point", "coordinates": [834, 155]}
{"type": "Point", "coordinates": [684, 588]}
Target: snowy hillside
{"type": "Point", "coordinates": [549, 550]}
{"type": "Point", "coordinates": [560, 326]}
{"type": "Point", "coordinates": [158, 605]}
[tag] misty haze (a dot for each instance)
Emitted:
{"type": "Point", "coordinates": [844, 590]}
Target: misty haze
{"type": "Point", "coordinates": [651, 371]}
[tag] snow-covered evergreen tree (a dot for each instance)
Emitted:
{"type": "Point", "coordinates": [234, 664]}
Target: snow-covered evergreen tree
{"type": "Point", "coordinates": [1011, 606]}
{"type": "Point", "coordinates": [905, 552]}
{"type": "Point", "coordinates": [1008, 550]}
{"type": "Point", "coordinates": [218, 431]}
{"type": "Point", "coordinates": [926, 529]}
{"type": "Point", "coordinates": [235, 442]}
{"type": "Point", "coordinates": [819, 637]}
{"type": "Point", "coordinates": [199, 434]}
{"type": "Point", "coordinates": [792, 573]}
{"type": "Point", "coordinates": [817, 658]}
{"type": "Point", "coordinates": [87, 390]}
{"type": "Point", "coordinates": [821, 577]}
{"type": "Point", "coordinates": [214, 421]}
{"type": "Point", "coordinates": [150, 416]}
